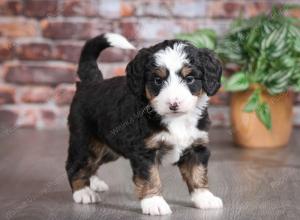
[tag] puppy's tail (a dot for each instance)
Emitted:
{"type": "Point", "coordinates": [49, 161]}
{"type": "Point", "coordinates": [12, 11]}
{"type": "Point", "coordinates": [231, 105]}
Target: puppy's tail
{"type": "Point", "coordinates": [88, 69]}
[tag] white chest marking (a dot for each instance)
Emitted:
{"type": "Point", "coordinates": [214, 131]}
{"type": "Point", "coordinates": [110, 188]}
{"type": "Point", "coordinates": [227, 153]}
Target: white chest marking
{"type": "Point", "coordinates": [182, 132]}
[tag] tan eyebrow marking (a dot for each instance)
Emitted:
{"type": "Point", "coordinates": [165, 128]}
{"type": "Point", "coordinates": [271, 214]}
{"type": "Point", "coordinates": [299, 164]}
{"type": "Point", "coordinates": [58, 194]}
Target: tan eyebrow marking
{"type": "Point", "coordinates": [161, 72]}
{"type": "Point", "coordinates": [185, 71]}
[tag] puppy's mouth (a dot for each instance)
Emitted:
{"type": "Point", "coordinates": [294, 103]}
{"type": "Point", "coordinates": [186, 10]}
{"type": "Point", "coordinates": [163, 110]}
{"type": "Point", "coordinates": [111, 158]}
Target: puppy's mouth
{"type": "Point", "coordinates": [177, 112]}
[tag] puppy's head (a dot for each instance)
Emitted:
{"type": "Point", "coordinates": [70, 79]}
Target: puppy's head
{"type": "Point", "coordinates": [173, 76]}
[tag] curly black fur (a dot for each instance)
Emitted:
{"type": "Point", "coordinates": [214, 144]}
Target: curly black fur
{"type": "Point", "coordinates": [100, 106]}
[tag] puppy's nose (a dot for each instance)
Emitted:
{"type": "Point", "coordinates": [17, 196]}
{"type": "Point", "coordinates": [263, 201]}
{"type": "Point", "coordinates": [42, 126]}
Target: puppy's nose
{"type": "Point", "coordinates": [174, 106]}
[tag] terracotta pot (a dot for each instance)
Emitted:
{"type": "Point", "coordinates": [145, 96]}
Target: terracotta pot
{"type": "Point", "coordinates": [248, 130]}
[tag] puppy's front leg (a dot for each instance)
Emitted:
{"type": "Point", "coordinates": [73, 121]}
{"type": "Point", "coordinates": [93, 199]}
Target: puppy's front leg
{"type": "Point", "coordinates": [193, 168]}
{"type": "Point", "coordinates": [148, 187]}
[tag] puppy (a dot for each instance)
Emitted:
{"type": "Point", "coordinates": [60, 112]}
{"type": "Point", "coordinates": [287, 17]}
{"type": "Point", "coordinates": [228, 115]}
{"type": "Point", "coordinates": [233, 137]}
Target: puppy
{"type": "Point", "coordinates": [156, 114]}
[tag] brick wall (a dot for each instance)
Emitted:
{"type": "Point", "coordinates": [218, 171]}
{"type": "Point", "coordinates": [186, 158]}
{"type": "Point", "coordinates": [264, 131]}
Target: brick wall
{"type": "Point", "coordinates": [40, 41]}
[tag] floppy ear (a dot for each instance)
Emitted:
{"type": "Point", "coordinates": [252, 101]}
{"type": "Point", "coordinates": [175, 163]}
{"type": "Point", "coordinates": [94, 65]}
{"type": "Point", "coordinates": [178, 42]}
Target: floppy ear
{"type": "Point", "coordinates": [135, 72]}
{"type": "Point", "coordinates": [212, 70]}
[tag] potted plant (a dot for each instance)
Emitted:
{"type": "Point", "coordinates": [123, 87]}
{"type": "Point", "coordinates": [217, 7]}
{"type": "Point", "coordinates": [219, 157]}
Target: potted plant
{"type": "Point", "coordinates": [266, 49]}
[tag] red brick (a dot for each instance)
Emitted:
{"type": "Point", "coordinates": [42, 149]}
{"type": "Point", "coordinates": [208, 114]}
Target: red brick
{"type": "Point", "coordinates": [132, 54]}
{"type": "Point", "coordinates": [18, 28]}
{"type": "Point", "coordinates": [157, 29]}
{"type": "Point", "coordinates": [296, 112]}
{"type": "Point", "coordinates": [221, 9]}
{"type": "Point", "coordinates": [104, 26]}
{"type": "Point", "coordinates": [231, 8]}
{"type": "Point", "coordinates": [297, 98]}
{"type": "Point", "coordinates": [48, 117]}
{"type": "Point", "coordinates": [294, 12]}
{"type": "Point", "coordinates": [8, 120]}
{"type": "Point", "coordinates": [28, 117]}
{"type": "Point", "coordinates": [153, 9]}
{"type": "Point", "coordinates": [111, 10]}
{"type": "Point", "coordinates": [1, 72]}
{"type": "Point", "coordinates": [114, 55]}
{"type": "Point", "coordinates": [230, 69]}
{"type": "Point", "coordinates": [80, 8]}
{"type": "Point", "coordinates": [221, 98]}
{"type": "Point", "coordinates": [40, 8]}
{"type": "Point", "coordinates": [7, 94]}
{"type": "Point", "coordinates": [112, 69]}
{"type": "Point", "coordinates": [127, 9]}
{"type": "Point", "coordinates": [188, 25]}
{"type": "Point", "coordinates": [129, 29]}
{"type": "Point", "coordinates": [67, 29]}
{"type": "Point", "coordinates": [33, 51]}
{"type": "Point", "coordinates": [67, 51]}
{"type": "Point", "coordinates": [6, 50]}
{"type": "Point", "coordinates": [64, 94]}
{"type": "Point", "coordinates": [189, 8]}
{"type": "Point", "coordinates": [62, 115]}
{"type": "Point", "coordinates": [12, 7]}
{"type": "Point", "coordinates": [39, 94]}
{"type": "Point", "coordinates": [44, 74]}
{"type": "Point", "coordinates": [119, 71]}
{"type": "Point", "coordinates": [255, 8]}
{"type": "Point", "coordinates": [219, 116]}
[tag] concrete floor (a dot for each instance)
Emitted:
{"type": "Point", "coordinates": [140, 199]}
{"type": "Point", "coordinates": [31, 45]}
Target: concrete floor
{"type": "Point", "coordinates": [254, 184]}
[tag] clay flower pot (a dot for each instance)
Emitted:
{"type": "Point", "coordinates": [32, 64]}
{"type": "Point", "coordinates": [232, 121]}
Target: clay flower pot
{"type": "Point", "coordinates": [248, 130]}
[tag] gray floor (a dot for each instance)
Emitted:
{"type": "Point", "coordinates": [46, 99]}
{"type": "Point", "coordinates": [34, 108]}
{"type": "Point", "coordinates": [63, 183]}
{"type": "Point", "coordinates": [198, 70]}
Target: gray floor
{"type": "Point", "coordinates": [260, 184]}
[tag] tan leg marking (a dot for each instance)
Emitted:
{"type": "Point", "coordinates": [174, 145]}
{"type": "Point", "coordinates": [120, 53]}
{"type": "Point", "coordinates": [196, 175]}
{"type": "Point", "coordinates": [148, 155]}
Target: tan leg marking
{"type": "Point", "coordinates": [147, 188]}
{"type": "Point", "coordinates": [195, 176]}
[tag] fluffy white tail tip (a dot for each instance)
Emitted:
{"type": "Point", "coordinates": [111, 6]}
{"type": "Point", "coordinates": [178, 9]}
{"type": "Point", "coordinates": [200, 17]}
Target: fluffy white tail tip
{"type": "Point", "coordinates": [117, 40]}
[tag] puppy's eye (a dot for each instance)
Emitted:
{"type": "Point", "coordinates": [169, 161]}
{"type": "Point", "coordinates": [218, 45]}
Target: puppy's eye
{"type": "Point", "coordinates": [158, 81]}
{"type": "Point", "coordinates": [190, 79]}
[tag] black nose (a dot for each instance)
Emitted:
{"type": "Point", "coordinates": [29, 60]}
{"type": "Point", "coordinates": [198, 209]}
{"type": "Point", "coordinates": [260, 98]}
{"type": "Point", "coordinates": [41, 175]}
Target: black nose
{"type": "Point", "coordinates": [173, 106]}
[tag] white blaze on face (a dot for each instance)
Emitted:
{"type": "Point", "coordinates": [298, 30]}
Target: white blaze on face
{"type": "Point", "coordinates": [174, 89]}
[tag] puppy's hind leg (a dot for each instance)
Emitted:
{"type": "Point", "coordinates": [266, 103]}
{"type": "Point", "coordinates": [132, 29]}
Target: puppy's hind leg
{"type": "Point", "coordinates": [80, 166]}
{"type": "Point", "coordinates": [104, 155]}
{"type": "Point", "coordinates": [79, 171]}
{"type": "Point", "coordinates": [86, 154]}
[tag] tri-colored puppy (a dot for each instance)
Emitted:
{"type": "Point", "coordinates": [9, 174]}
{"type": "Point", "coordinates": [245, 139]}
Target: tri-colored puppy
{"type": "Point", "coordinates": [156, 114]}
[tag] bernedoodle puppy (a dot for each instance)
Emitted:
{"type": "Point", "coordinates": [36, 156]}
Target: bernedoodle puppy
{"type": "Point", "coordinates": [155, 114]}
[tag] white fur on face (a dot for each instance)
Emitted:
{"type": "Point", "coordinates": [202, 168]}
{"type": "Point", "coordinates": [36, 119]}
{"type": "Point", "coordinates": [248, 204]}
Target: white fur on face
{"type": "Point", "coordinates": [174, 89]}
{"type": "Point", "coordinates": [172, 58]}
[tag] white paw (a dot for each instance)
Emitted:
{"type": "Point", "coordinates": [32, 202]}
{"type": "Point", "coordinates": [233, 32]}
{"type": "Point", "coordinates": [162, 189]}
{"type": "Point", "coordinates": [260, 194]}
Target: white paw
{"type": "Point", "coordinates": [98, 185]}
{"type": "Point", "coordinates": [86, 196]}
{"type": "Point", "coordinates": [155, 205]}
{"type": "Point", "coordinates": [204, 199]}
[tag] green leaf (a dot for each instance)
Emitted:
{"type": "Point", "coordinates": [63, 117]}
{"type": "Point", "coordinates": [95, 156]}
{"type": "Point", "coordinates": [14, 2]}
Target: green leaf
{"type": "Point", "coordinates": [237, 82]}
{"type": "Point", "coordinates": [264, 114]}
{"type": "Point", "coordinates": [297, 45]}
{"type": "Point", "coordinates": [223, 80]}
{"type": "Point", "coordinates": [253, 101]}
{"type": "Point", "coordinates": [296, 86]}
{"type": "Point", "coordinates": [208, 32]}
{"type": "Point", "coordinates": [204, 38]}
{"type": "Point", "coordinates": [288, 61]}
